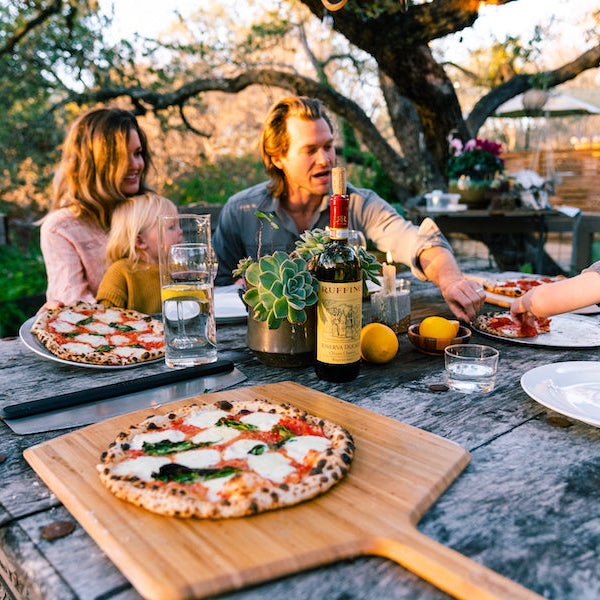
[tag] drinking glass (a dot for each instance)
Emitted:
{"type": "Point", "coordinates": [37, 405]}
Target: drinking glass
{"type": "Point", "coordinates": [187, 270]}
{"type": "Point", "coordinates": [471, 367]}
{"type": "Point", "coordinates": [357, 240]}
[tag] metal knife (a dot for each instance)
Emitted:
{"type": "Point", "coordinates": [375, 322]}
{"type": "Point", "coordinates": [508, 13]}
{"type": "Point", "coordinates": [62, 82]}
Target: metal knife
{"type": "Point", "coordinates": [77, 415]}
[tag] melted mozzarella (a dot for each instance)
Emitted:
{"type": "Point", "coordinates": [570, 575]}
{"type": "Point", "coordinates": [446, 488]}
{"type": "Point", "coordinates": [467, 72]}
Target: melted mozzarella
{"type": "Point", "coordinates": [216, 435]}
{"type": "Point", "coordinates": [151, 338]}
{"type": "Point", "coordinates": [138, 325]}
{"type": "Point", "coordinates": [271, 465]}
{"type": "Point", "coordinates": [141, 467]}
{"type": "Point", "coordinates": [241, 448]}
{"type": "Point", "coordinates": [70, 316]}
{"type": "Point", "coordinates": [263, 421]}
{"type": "Point", "coordinates": [77, 348]}
{"type": "Point", "coordinates": [214, 486]}
{"type": "Point", "coordinates": [92, 340]}
{"type": "Point", "coordinates": [119, 340]}
{"type": "Point", "coordinates": [197, 459]}
{"type": "Point", "coordinates": [109, 316]}
{"type": "Point", "coordinates": [102, 328]}
{"type": "Point", "coordinates": [128, 352]}
{"type": "Point", "coordinates": [62, 326]}
{"type": "Point", "coordinates": [204, 418]}
{"type": "Point", "coordinates": [298, 447]}
{"type": "Point", "coordinates": [153, 437]}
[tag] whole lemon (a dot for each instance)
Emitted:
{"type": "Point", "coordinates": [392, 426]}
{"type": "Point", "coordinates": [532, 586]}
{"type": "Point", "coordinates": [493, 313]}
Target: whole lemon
{"type": "Point", "coordinates": [438, 327]}
{"type": "Point", "coordinates": [378, 343]}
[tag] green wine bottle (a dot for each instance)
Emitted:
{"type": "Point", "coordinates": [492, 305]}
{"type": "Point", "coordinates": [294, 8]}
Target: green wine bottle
{"type": "Point", "coordinates": [339, 308]}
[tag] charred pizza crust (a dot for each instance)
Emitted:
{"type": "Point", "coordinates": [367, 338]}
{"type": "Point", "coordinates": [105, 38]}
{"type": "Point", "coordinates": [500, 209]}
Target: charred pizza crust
{"type": "Point", "coordinates": [100, 335]}
{"type": "Point", "coordinates": [501, 325]}
{"type": "Point", "coordinates": [237, 475]}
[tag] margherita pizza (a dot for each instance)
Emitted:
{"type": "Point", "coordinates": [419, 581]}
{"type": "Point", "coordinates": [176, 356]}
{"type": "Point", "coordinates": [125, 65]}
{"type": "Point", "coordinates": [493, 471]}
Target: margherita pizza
{"type": "Point", "coordinates": [227, 459]}
{"type": "Point", "coordinates": [501, 325]}
{"type": "Point", "coordinates": [515, 287]}
{"type": "Point", "coordinates": [100, 335]}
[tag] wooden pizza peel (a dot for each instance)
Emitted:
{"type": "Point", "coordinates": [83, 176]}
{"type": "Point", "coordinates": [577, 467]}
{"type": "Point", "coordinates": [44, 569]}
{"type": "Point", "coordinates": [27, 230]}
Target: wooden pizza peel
{"type": "Point", "coordinates": [397, 474]}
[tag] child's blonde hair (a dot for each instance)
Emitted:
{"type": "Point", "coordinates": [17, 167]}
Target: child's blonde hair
{"type": "Point", "coordinates": [129, 219]}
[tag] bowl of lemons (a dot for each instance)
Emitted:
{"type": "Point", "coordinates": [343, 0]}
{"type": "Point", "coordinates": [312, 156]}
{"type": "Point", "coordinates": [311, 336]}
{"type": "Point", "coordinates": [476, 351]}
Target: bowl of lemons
{"type": "Point", "coordinates": [433, 334]}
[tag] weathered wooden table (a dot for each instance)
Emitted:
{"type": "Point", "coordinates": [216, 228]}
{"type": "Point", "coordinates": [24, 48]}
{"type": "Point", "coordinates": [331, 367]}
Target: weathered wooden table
{"type": "Point", "coordinates": [527, 506]}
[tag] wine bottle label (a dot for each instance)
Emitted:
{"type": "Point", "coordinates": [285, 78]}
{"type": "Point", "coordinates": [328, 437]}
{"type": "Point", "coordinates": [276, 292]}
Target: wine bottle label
{"type": "Point", "coordinates": [339, 321]}
{"type": "Point", "coordinates": [338, 209]}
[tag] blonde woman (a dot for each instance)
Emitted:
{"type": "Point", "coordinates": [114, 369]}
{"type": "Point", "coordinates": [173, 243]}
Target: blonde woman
{"type": "Point", "coordinates": [132, 279]}
{"type": "Point", "coordinates": [105, 160]}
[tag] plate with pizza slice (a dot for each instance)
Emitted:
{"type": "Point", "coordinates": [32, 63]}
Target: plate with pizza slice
{"type": "Point", "coordinates": [561, 331]}
{"type": "Point", "coordinates": [95, 336]}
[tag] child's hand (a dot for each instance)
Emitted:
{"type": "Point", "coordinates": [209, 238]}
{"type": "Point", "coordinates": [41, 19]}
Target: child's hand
{"type": "Point", "coordinates": [519, 313]}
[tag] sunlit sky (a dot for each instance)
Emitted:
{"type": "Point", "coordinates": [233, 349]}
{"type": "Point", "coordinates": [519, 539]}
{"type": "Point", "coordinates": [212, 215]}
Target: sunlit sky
{"type": "Point", "coordinates": [519, 17]}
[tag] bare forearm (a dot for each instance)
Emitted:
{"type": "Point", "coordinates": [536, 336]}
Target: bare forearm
{"type": "Point", "coordinates": [441, 267]}
{"type": "Point", "coordinates": [562, 296]}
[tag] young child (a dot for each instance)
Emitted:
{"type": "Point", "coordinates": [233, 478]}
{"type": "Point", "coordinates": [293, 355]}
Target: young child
{"type": "Point", "coordinates": [559, 297]}
{"type": "Point", "coordinates": [132, 279]}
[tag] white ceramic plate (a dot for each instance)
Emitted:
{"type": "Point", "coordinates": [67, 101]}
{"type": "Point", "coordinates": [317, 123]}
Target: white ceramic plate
{"type": "Point", "coordinates": [566, 331]}
{"type": "Point", "coordinates": [35, 345]}
{"type": "Point", "coordinates": [569, 388]}
{"type": "Point", "coordinates": [229, 307]}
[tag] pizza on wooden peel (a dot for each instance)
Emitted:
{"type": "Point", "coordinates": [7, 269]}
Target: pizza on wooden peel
{"type": "Point", "coordinates": [501, 325]}
{"type": "Point", "coordinates": [226, 459]}
{"type": "Point", "coordinates": [100, 335]}
{"type": "Point", "coordinates": [515, 287]}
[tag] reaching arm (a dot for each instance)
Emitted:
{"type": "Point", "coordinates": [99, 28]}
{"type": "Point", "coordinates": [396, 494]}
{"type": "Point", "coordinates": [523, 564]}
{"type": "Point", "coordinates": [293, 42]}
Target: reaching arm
{"type": "Point", "coordinates": [556, 298]}
{"type": "Point", "coordinates": [463, 296]}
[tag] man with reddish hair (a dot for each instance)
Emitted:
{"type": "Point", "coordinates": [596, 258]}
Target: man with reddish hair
{"type": "Point", "coordinates": [298, 150]}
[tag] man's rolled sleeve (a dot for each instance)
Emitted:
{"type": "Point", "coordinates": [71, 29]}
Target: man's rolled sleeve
{"type": "Point", "coordinates": [428, 236]}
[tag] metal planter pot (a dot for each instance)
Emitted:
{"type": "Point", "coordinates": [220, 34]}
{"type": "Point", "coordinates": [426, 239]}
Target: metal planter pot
{"type": "Point", "coordinates": [288, 345]}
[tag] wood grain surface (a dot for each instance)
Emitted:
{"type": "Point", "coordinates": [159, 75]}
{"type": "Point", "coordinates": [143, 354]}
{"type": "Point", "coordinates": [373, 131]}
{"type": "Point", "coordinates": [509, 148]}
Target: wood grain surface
{"type": "Point", "coordinates": [398, 472]}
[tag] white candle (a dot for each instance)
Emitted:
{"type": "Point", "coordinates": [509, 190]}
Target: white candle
{"type": "Point", "coordinates": [389, 274]}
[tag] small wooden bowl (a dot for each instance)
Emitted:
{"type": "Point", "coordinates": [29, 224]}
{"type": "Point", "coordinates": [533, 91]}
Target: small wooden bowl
{"type": "Point", "coordinates": [435, 346]}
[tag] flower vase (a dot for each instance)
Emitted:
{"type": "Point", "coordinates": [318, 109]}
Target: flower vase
{"type": "Point", "coordinates": [473, 194]}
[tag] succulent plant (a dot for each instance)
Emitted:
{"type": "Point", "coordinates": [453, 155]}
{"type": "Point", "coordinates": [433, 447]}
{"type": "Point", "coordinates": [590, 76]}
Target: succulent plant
{"type": "Point", "coordinates": [313, 242]}
{"type": "Point", "coordinates": [280, 287]}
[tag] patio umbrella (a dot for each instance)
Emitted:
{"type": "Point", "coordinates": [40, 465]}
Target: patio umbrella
{"type": "Point", "coordinates": [557, 105]}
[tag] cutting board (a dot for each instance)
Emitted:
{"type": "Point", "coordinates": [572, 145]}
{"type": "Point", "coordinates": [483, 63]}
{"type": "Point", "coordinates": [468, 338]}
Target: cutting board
{"type": "Point", "coordinates": [397, 473]}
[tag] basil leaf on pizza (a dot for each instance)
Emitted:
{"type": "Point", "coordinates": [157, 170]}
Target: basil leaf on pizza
{"type": "Point", "coordinates": [100, 335]}
{"type": "Point", "coordinates": [194, 462]}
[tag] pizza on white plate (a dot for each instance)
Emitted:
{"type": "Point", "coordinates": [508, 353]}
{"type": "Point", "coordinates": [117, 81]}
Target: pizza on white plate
{"type": "Point", "coordinates": [100, 335]}
{"type": "Point", "coordinates": [226, 459]}
{"type": "Point", "coordinates": [501, 325]}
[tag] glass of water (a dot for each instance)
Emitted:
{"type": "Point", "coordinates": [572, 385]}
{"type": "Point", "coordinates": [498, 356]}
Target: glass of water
{"type": "Point", "coordinates": [471, 367]}
{"type": "Point", "coordinates": [187, 267]}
